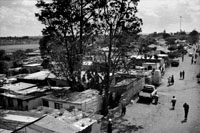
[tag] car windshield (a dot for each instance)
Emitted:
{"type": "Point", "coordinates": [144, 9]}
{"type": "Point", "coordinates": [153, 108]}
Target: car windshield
{"type": "Point", "coordinates": [148, 90]}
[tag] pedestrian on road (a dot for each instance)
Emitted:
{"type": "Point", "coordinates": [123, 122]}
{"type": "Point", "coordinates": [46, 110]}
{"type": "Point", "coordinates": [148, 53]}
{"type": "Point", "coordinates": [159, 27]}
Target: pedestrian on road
{"type": "Point", "coordinates": [192, 60]}
{"type": "Point", "coordinates": [109, 128]}
{"type": "Point", "coordinates": [186, 110]}
{"type": "Point", "coordinates": [196, 56]}
{"type": "Point", "coordinates": [169, 81]}
{"type": "Point", "coordinates": [195, 61]}
{"type": "Point", "coordinates": [173, 101]}
{"type": "Point", "coordinates": [183, 74]}
{"type": "Point", "coordinates": [182, 57]}
{"type": "Point", "coordinates": [123, 110]}
{"type": "Point", "coordinates": [172, 79]}
{"type": "Point", "coordinates": [156, 98]}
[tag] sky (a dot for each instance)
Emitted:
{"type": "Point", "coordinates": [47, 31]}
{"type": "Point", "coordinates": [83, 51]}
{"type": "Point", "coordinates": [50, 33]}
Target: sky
{"type": "Point", "coordinates": [17, 17]}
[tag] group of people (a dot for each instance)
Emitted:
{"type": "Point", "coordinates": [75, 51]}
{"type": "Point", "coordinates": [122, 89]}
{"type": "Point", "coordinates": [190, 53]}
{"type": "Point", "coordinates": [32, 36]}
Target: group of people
{"type": "Point", "coordinates": [171, 80]}
{"type": "Point", "coordinates": [185, 107]}
{"type": "Point", "coordinates": [194, 57]}
{"type": "Point", "coordinates": [182, 74]}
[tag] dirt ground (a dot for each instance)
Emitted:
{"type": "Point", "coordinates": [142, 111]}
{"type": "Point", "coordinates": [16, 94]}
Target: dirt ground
{"type": "Point", "coordinates": [149, 118]}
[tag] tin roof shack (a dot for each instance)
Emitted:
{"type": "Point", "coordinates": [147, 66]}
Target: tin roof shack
{"type": "Point", "coordinates": [65, 123]}
{"type": "Point", "coordinates": [11, 120]}
{"type": "Point", "coordinates": [34, 67]}
{"type": "Point", "coordinates": [151, 65]}
{"type": "Point", "coordinates": [88, 100]}
{"type": "Point", "coordinates": [126, 89]}
{"type": "Point", "coordinates": [135, 73]}
{"type": "Point", "coordinates": [157, 61]}
{"type": "Point", "coordinates": [43, 78]}
{"type": "Point", "coordinates": [2, 76]}
{"type": "Point", "coordinates": [39, 78]}
{"type": "Point", "coordinates": [22, 96]}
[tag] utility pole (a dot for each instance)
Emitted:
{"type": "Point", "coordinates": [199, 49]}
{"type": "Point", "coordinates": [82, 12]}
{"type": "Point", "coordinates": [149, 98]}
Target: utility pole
{"type": "Point", "coordinates": [180, 24]}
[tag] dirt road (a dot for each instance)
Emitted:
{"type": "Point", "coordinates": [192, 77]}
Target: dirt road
{"type": "Point", "coordinates": [149, 118]}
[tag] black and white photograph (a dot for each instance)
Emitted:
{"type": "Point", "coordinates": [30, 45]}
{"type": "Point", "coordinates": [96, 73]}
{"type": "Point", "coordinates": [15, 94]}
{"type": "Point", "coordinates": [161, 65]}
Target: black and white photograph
{"type": "Point", "coordinates": [99, 66]}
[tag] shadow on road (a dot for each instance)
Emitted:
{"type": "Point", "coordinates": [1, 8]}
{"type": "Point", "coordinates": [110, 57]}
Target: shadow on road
{"type": "Point", "coordinates": [120, 125]}
{"type": "Point", "coordinates": [184, 121]}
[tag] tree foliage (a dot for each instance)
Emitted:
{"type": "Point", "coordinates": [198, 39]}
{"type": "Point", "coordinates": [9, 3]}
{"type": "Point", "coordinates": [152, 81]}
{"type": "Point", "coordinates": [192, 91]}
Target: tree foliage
{"type": "Point", "coordinates": [68, 24]}
{"type": "Point", "coordinates": [116, 19]}
{"type": "Point", "coordinates": [4, 67]}
{"type": "Point", "coordinates": [193, 37]}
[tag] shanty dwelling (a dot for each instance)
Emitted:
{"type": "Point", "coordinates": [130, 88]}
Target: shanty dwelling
{"type": "Point", "coordinates": [88, 100]}
{"type": "Point", "coordinates": [31, 68]}
{"type": "Point", "coordinates": [44, 77]}
{"type": "Point", "coordinates": [11, 120]}
{"type": "Point", "coordinates": [66, 122]}
{"type": "Point", "coordinates": [151, 65]}
{"type": "Point", "coordinates": [22, 96]}
{"type": "Point", "coordinates": [126, 89]}
{"type": "Point", "coordinates": [2, 76]}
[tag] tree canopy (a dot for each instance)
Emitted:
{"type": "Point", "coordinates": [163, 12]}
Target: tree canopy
{"type": "Point", "coordinates": [67, 26]}
{"type": "Point", "coordinates": [193, 37]}
{"type": "Point", "coordinates": [70, 23]}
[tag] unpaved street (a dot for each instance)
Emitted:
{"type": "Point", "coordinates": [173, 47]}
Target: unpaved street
{"type": "Point", "coordinates": [150, 118]}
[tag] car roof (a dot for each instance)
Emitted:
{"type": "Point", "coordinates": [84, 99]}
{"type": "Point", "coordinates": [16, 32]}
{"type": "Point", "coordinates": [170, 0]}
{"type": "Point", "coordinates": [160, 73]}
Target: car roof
{"type": "Point", "coordinates": [147, 85]}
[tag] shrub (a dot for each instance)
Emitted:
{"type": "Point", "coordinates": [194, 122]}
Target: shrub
{"type": "Point", "coordinates": [171, 48]}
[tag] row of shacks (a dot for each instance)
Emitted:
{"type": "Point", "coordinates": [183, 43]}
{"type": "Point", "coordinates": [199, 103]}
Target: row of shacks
{"type": "Point", "coordinates": [44, 89]}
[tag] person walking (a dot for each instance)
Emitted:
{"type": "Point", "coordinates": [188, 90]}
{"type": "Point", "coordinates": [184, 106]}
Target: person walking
{"type": "Point", "coordinates": [183, 74]}
{"type": "Point", "coordinates": [186, 110]}
{"type": "Point", "coordinates": [156, 98]}
{"type": "Point", "coordinates": [195, 61]}
{"type": "Point", "coordinates": [182, 57]}
{"type": "Point", "coordinates": [109, 128]}
{"type": "Point", "coordinates": [123, 110]}
{"type": "Point", "coordinates": [173, 101]}
{"type": "Point", "coordinates": [192, 60]}
{"type": "Point", "coordinates": [169, 81]}
{"type": "Point", "coordinates": [172, 79]}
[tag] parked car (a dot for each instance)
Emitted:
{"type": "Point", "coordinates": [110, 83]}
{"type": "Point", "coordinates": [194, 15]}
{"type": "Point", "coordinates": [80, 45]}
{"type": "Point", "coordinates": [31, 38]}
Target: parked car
{"type": "Point", "coordinates": [149, 91]}
{"type": "Point", "coordinates": [175, 63]}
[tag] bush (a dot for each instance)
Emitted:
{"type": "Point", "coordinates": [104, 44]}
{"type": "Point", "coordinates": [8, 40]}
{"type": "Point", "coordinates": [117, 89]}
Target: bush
{"type": "Point", "coordinates": [173, 55]}
{"type": "Point", "coordinates": [171, 48]}
{"type": "Point", "coordinates": [4, 67]}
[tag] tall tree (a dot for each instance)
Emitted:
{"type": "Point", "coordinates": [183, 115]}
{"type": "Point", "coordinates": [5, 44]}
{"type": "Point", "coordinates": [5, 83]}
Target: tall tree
{"type": "Point", "coordinates": [115, 18]}
{"type": "Point", "coordinates": [193, 37]}
{"type": "Point", "coordinates": [4, 67]}
{"type": "Point", "coordinates": [68, 24]}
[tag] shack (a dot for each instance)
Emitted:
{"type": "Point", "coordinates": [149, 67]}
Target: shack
{"type": "Point", "coordinates": [65, 123]}
{"type": "Point", "coordinates": [126, 89]}
{"type": "Point", "coordinates": [88, 100]}
{"type": "Point", "coordinates": [22, 96]}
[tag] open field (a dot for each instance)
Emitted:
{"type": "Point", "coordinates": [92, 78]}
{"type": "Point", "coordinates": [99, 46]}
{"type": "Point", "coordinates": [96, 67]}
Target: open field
{"type": "Point", "coordinates": [12, 48]}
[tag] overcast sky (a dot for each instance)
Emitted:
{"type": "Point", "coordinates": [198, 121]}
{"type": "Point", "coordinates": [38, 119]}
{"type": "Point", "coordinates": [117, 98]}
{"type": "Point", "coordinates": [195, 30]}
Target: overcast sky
{"type": "Point", "coordinates": [17, 16]}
